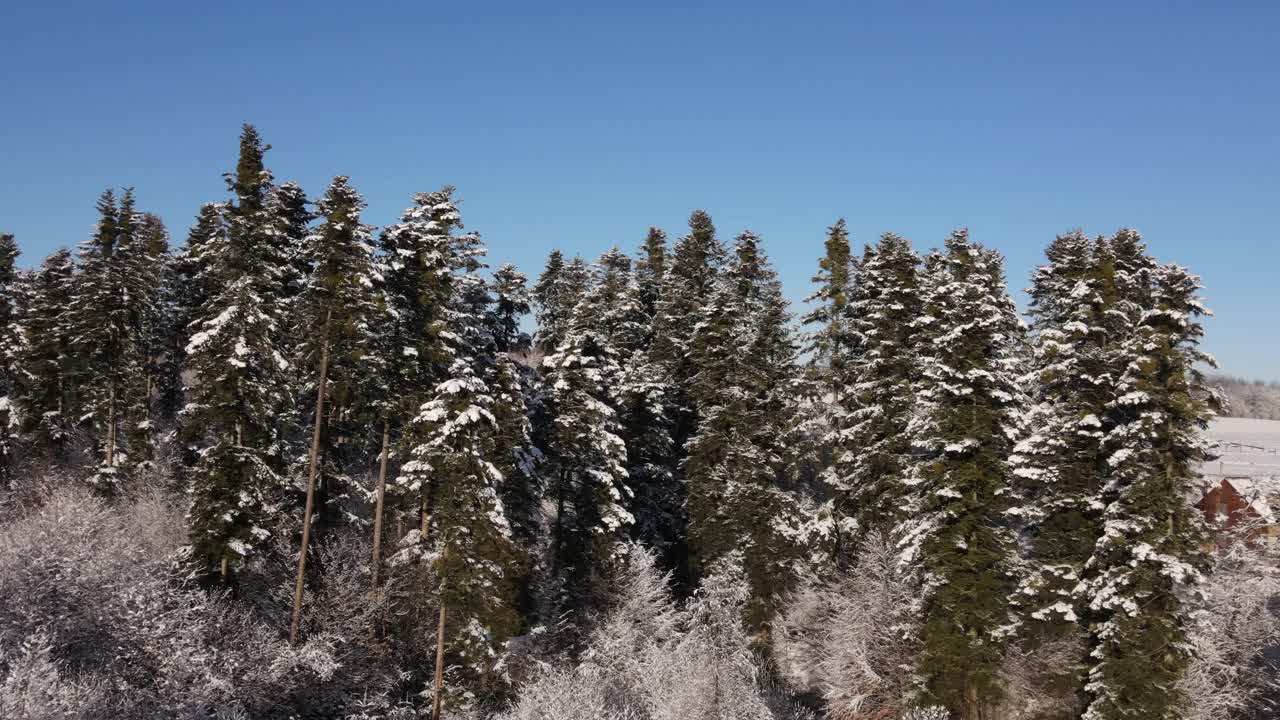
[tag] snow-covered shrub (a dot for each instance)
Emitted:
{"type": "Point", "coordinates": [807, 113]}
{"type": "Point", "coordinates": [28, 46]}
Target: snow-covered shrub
{"type": "Point", "coordinates": [647, 659]}
{"type": "Point", "coordinates": [33, 687]}
{"type": "Point", "coordinates": [101, 588]}
{"type": "Point", "coordinates": [852, 639]}
{"type": "Point", "coordinates": [1231, 675]}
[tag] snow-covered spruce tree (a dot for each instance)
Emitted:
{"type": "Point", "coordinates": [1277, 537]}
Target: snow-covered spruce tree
{"type": "Point", "coordinates": [50, 399]}
{"type": "Point", "coordinates": [406, 346]}
{"type": "Point", "coordinates": [874, 458]}
{"type": "Point", "coordinates": [651, 270]}
{"type": "Point", "coordinates": [586, 462]}
{"type": "Point", "coordinates": [290, 230]}
{"type": "Point", "coordinates": [744, 356]}
{"type": "Point", "coordinates": [335, 307]}
{"type": "Point", "coordinates": [832, 341]}
{"type": "Point", "coordinates": [107, 307]}
{"type": "Point", "coordinates": [616, 296]}
{"type": "Point", "coordinates": [955, 529]}
{"type": "Point", "coordinates": [195, 273]}
{"type": "Point", "coordinates": [471, 550]}
{"type": "Point", "coordinates": [1060, 465]}
{"type": "Point", "coordinates": [435, 278]}
{"type": "Point", "coordinates": [687, 288]}
{"type": "Point", "coordinates": [1150, 555]}
{"type": "Point", "coordinates": [11, 351]}
{"type": "Point", "coordinates": [510, 304]}
{"type": "Point", "coordinates": [239, 392]}
{"type": "Point", "coordinates": [147, 274]}
{"type": "Point", "coordinates": [555, 298]}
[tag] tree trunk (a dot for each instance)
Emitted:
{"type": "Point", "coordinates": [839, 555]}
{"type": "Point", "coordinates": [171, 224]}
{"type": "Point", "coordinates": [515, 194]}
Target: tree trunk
{"type": "Point", "coordinates": [111, 427]}
{"type": "Point", "coordinates": [311, 482]}
{"type": "Point", "coordinates": [439, 682]}
{"type": "Point", "coordinates": [377, 508]}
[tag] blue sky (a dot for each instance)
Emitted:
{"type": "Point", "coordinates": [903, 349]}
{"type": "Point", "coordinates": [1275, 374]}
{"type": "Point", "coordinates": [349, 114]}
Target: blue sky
{"type": "Point", "coordinates": [579, 125]}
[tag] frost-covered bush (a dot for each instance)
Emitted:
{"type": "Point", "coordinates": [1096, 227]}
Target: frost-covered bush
{"type": "Point", "coordinates": [647, 659]}
{"type": "Point", "coordinates": [1231, 675]}
{"type": "Point", "coordinates": [32, 686]}
{"type": "Point", "coordinates": [97, 592]}
{"type": "Point", "coordinates": [852, 639]}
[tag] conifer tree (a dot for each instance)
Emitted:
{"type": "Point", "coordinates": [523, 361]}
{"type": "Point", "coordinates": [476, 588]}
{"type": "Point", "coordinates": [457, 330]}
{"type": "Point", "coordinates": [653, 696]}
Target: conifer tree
{"type": "Point", "coordinates": [11, 350]}
{"type": "Point", "coordinates": [1060, 465]}
{"type": "Point", "coordinates": [875, 452]}
{"type": "Point", "coordinates": [1150, 552]}
{"type": "Point", "coordinates": [336, 305]}
{"type": "Point", "coordinates": [414, 289]}
{"type": "Point", "coordinates": [554, 297]}
{"type": "Point", "coordinates": [651, 271]}
{"type": "Point", "coordinates": [968, 420]}
{"type": "Point", "coordinates": [441, 266]}
{"type": "Point", "coordinates": [686, 290]}
{"type": "Point", "coordinates": [510, 304]}
{"type": "Point", "coordinates": [195, 282]}
{"type": "Point", "coordinates": [240, 392]}
{"type": "Point", "coordinates": [833, 339]}
{"type": "Point", "coordinates": [586, 459]}
{"type": "Point", "coordinates": [819, 438]}
{"type": "Point", "coordinates": [744, 356]}
{"type": "Point", "coordinates": [50, 400]}
{"type": "Point", "coordinates": [106, 308]}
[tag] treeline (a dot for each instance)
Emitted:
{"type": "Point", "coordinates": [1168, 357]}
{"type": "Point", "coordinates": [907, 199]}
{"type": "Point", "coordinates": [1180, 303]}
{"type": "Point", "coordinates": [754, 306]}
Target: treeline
{"type": "Point", "coordinates": [1248, 398]}
{"type": "Point", "coordinates": [298, 378]}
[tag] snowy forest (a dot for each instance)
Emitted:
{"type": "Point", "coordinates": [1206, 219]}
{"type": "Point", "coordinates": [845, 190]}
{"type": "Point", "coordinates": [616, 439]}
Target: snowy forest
{"type": "Point", "coordinates": [298, 467]}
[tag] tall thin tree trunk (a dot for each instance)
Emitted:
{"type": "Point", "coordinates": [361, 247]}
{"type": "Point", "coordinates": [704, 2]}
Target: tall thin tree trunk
{"type": "Point", "coordinates": [377, 508]}
{"type": "Point", "coordinates": [439, 681]}
{"type": "Point", "coordinates": [311, 482]}
{"type": "Point", "coordinates": [111, 426]}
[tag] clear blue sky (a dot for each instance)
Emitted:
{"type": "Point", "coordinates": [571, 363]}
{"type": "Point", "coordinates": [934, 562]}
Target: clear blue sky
{"type": "Point", "coordinates": [579, 125]}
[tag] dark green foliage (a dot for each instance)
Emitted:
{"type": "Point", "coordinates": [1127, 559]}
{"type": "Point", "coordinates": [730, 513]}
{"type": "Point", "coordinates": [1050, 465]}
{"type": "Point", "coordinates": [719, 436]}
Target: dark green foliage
{"type": "Point", "coordinates": [10, 354]}
{"type": "Point", "coordinates": [969, 419]}
{"type": "Point", "coordinates": [50, 397]}
{"type": "Point", "coordinates": [874, 457]}
{"type": "Point", "coordinates": [745, 361]}
{"type": "Point", "coordinates": [1150, 552]}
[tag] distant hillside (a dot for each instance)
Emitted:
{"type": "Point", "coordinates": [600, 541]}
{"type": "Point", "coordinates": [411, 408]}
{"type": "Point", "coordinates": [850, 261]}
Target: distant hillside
{"type": "Point", "coordinates": [1250, 398]}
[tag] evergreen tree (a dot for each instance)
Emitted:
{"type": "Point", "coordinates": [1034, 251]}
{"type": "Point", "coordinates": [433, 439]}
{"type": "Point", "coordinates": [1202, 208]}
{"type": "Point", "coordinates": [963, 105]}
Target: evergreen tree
{"type": "Point", "coordinates": [555, 297]}
{"type": "Point", "coordinates": [967, 422]}
{"type": "Point", "coordinates": [510, 304]}
{"type": "Point", "coordinates": [195, 282]}
{"type": "Point", "coordinates": [50, 400]}
{"type": "Point", "coordinates": [472, 552]}
{"type": "Point", "coordinates": [239, 396]}
{"type": "Point", "coordinates": [586, 459]}
{"type": "Point", "coordinates": [440, 267]}
{"type": "Point", "coordinates": [336, 304]}
{"type": "Point", "coordinates": [687, 289]}
{"type": "Point", "coordinates": [819, 438]}
{"type": "Point", "coordinates": [875, 453]}
{"type": "Point", "coordinates": [833, 340]}
{"type": "Point", "coordinates": [1149, 555]}
{"type": "Point", "coordinates": [11, 350]}
{"type": "Point", "coordinates": [105, 311]}
{"type": "Point", "coordinates": [651, 271]}
{"type": "Point", "coordinates": [744, 356]}
{"type": "Point", "coordinates": [1060, 466]}
{"type": "Point", "coordinates": [406, 347]}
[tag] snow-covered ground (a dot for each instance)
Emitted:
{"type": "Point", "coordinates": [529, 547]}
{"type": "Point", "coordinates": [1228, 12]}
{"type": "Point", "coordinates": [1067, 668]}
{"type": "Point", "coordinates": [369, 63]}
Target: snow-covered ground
{"type": "Point", "coordinates": [1248, 448]}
